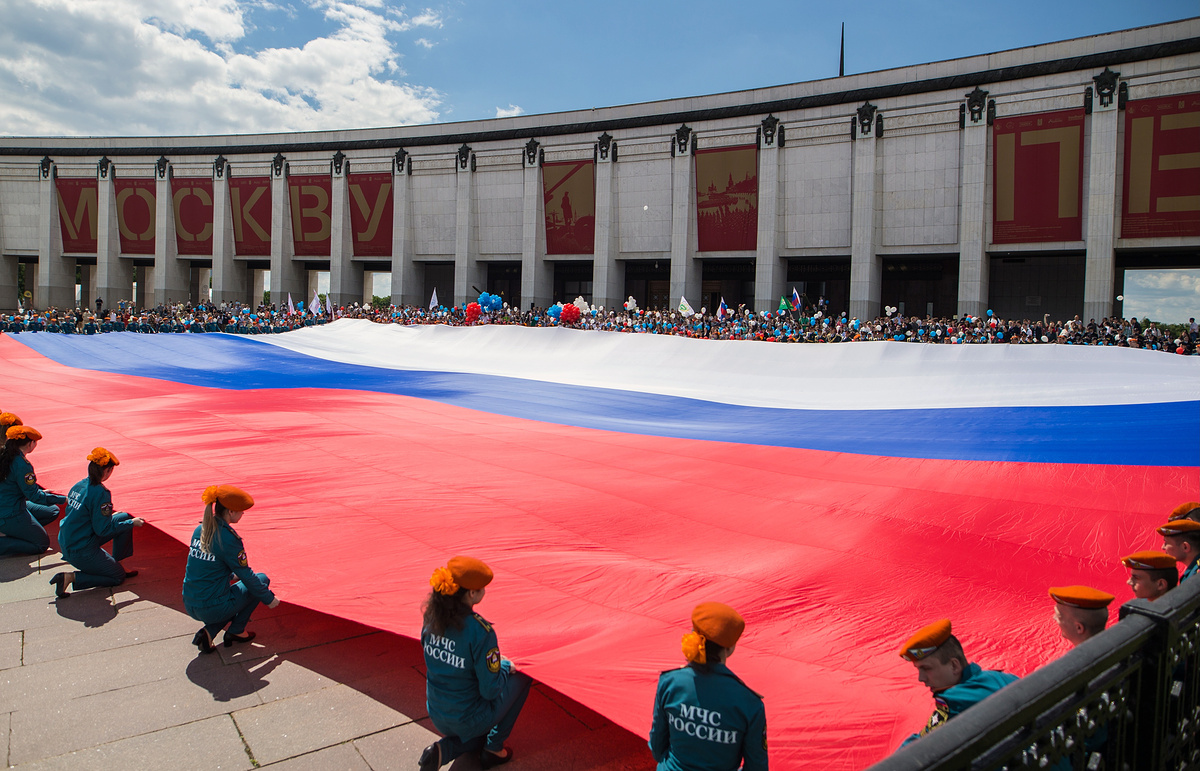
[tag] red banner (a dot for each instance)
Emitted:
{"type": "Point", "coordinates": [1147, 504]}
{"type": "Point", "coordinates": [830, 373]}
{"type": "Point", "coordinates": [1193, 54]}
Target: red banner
{"type": "Point", "coordinates": [1037, 179]}
{"type": "Point", "coordinates": [250, 204]}
{"type": "Point", "coordinates": [371, 214]}
{"type": "Point", "coordinates": [135, 214]}
{"type": "Point", "coordinates": [78, 206]}
{"type": "Point", "coordinates": [311, 198]}
{"type": "Point", "coordinates": [1162, 167]}
{"type": "Point", "coordinates": [192, 201]}
{"type": "Point", "coordinates": [727, 199]}
{"type": "Point", "coordinates": [569, 193]}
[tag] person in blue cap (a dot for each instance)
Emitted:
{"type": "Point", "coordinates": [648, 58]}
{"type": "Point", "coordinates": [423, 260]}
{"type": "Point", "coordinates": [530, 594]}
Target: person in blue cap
{"type": "Point", "coordinates": [217, 555]}
{"type": "Point", "coordinates": [473, 694]}
{"type": "Point", "coordinates": [705, 718]}
{"type": "Point", "coordinates": [23, 534]}
{"type": "Point", "coordinates": [90, 523]}
{"type": "Point", "coordinates": [942, 667]}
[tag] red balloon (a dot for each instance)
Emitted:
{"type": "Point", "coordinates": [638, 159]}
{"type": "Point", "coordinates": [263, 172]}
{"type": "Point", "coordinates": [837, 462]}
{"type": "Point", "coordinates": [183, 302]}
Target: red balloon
{"type": "Point", "coordinates": [473, 311]}
{"type": "Point", "coordinates": [570, 313]}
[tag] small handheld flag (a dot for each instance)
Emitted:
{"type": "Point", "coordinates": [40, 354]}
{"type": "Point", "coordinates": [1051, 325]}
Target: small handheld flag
{"type": "Point", "coordinates": [433, 303]}
{"type": "Point", "coordinates": [685, 308]}
{"type": "Point", "coordinates": [291, 306]}
{"type": "Point", "coordinates": [723, 310]}
{"type": "Point", "coordinates": [795, 299]}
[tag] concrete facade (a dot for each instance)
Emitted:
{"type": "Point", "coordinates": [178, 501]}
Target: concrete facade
{"type": "Point", "coordinates": [861, 172]}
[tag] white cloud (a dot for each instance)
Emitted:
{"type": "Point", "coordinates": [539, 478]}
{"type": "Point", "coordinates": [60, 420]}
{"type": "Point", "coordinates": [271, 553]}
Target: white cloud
{"type": "Point", "coordinates": [138, 67]}
{"type": "Point", "coordinates": [424, 42]}
{"type": "Point", "coordinates": [1170, 296]}
{"type": "Point", "coordinates": [511, 111]}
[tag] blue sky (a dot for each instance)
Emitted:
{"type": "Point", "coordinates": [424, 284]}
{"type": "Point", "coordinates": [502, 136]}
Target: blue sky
{"type": "Point", "coordinates": [145, 67]}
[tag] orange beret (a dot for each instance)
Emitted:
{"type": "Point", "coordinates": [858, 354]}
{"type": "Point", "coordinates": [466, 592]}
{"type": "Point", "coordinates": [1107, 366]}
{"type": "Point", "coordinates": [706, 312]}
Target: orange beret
{"type": "Point", "coordinates": [1174, 527]}
{"type": "Point", "coordinates": [1081, 596]}
{"type": "Point", "coordinates": [22, 432]}
{"type": "Point", "coordinates": [1179, 512]}
{"type": "Point", "coordinates": [9, 419]}
{"type": "Point", "coordinates": [469, 573]}
{"type": "Point", "coordinates": [718, 622]}
{"type": "Point", "coordinates": [927, 640]}
{"type": "Point", "coordinates": [1149, 560]}
{"type": "Point", "coordinates": [102, 457]}
{"type": "Point", "coordinates": [232, 498]}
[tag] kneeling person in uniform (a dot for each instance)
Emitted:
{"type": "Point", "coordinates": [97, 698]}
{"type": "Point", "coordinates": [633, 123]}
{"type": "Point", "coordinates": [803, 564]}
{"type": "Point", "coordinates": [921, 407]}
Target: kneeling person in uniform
{"type": "Point", "coordinates": [473, 694]}
{"type": "Point", "coordinates": [1151, 574]}
{"type": "Point", "coordinates": [943, 668]}
{"type": "Point", "coordinates": [89, 524]}
{"type": "Point", "coordinates": [704, 716]}
{"type": "Point", "coordinates": [217, 556]}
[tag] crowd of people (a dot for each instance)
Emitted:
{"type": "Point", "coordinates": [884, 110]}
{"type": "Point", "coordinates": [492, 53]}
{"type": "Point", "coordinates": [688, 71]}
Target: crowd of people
{"type": "Point", "coordinates": [704, 716]}
{"type": "Point", "coordinates": [800, 324]}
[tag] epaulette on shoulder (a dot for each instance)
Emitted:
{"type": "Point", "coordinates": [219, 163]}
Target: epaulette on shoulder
{"type": "Point", "coordinates": [482, 622]}
{"type": "Point", "coordinates": [743, 684]}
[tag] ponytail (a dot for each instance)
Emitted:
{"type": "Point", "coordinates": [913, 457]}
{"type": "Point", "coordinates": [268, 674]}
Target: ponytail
{"type": "Point", "coordinates": [208, 526]}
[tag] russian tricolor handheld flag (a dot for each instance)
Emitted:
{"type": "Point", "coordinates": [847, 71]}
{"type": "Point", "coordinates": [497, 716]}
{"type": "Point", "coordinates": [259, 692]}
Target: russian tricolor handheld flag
{"type": "Point", "coordinates": [839, 496]}
{"type": "Point", "coordinates": [722, 310]}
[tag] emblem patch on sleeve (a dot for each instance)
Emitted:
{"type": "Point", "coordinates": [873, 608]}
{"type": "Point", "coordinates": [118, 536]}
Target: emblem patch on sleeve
{"type": "Point", "coordinates": [242, 558]}
{"type": "Point", "coordinates": [106, 509]}
{"type": "Point", "coordinates": [493, 660]}
{"type": "Point", "coordinates": [31, 478]}
{"type": "Point", "coordinates": [941, 714]}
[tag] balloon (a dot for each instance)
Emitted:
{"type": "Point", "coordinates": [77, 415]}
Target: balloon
{"type": "Point", "coordinates": [989, 313]}
{"type": "Point", "coordinates": [569, 314]}
{"type": "Point", "coordinates": [554, 311]}
{"type": "Point", "coordinates": [473, 311]}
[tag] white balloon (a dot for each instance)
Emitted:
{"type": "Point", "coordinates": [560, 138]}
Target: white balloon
{"type": "Point", "coordinates": [1120, 298]}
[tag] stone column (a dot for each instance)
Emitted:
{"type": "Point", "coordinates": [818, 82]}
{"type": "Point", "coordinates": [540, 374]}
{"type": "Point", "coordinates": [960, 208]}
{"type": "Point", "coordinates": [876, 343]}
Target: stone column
{"type": "Point", "coordinates": [973, 262]}
{"type": "Point", "coordinates": [406, 284]}
{"type": "Point", "coordinates": [8, 275]}
{"type": "Point", "coordinates": [286, 275]}
{"type": "Point", "coordinates": [466, 269]}
{"type": "Point", "coordinates": [172, 276]}
{"type": "Point", "coordinates": [9, 265]}
{"type": "Point", "coordinates": [607, 277]}
{"type": "Point", "coordinates": [537, 275]}
{"type": "Point", "coordinates": [114, 276]}
{"type": "Point", "coordinates": [866, 267]}
{"type": "Point", "coordinates": [1099, 282]}
{"type": "Point", "coordinates": [345, 275]}
{"type": "Point", "coordinates": [685, 274]}
{"type": "Point", "coordinates": [55, 275]}
{"type": "Point", "coordinates": [769, 273]}
{"type": "Point", "coordinates": [229, 279]}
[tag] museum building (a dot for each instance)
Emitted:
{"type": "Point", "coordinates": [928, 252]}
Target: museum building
{"type": "Point", "coordinates": [1025, 181]}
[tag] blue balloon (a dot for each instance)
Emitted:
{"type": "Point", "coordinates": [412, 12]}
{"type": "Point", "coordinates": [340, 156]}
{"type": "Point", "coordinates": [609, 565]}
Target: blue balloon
{"type": "Point", "coordinates": [989, 313]}
{"type": "Point", "coordinates": [921, 332]}
{"type": "Point", "coordinates": [554, 312]}
{"type": "Point", "coordinates": [999, 335]}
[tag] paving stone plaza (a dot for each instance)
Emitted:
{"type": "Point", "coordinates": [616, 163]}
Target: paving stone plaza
{"type": "Point", "coordinates": [109, 679]}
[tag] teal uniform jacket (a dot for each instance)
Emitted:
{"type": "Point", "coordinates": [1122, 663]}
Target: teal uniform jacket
{"type": "Point", "coordinates": [975, 686]}
{"type": "Point", "coordinates": [90, 521]}
{"type": "Point", "coordinates": [207, 577]}
{"type": "Point", "coordinates": [707, 721]}
{"type": "Point", "coordinates": [1191, 570]}
{"type": "Point", "coordinates": [465, 677]}
{"type": "Point", "coordinates": [20, 486]}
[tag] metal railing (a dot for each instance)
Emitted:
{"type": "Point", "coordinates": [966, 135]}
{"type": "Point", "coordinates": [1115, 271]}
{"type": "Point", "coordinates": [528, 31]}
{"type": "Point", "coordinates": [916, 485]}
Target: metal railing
{"type": "Point", "coordinates": [1125, 700]}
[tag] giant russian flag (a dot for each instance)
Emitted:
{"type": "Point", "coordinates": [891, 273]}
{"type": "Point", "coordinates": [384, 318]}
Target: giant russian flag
{"type": "Point", "coordinates": [839, 496]}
